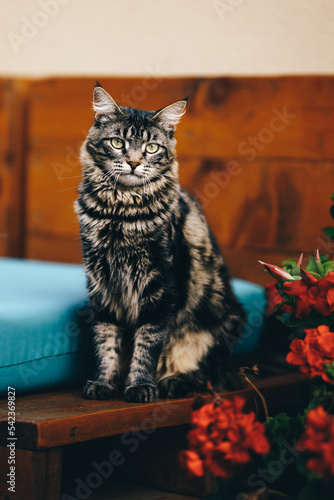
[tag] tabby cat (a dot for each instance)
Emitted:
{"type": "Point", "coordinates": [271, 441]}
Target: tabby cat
{"type": "Point", "coordinates": [165, 313]}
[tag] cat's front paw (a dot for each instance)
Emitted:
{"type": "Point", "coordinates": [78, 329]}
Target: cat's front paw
{"type": "Point", "coordinates": [141, 393]}
{"type": "Point", "coordinates": [95, 389]}
{"type": "Point", "coordinates": [173, 387]}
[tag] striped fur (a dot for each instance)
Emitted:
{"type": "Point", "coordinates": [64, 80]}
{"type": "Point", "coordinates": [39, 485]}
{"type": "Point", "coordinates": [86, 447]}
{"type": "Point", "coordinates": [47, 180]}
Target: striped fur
{"type": "Point", "coordinates": [165, 313]}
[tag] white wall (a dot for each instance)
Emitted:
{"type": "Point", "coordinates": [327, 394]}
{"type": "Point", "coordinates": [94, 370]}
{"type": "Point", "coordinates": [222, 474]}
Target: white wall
{"type": "Point", "coordinates": [170, 37]}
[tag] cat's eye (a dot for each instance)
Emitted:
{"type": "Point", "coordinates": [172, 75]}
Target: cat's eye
{"type": "Point", "coordinates": [117, 143]}
{"type": "Point", "coordinates": [152, 148]}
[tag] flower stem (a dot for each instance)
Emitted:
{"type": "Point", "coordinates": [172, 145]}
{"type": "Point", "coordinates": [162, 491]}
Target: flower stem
{"type": "Point", "coordinates": [242, 372]}
{"type": "Point", "coordinates": [210, 389]}
{"type": "Point", "coordinates": [280, 494]}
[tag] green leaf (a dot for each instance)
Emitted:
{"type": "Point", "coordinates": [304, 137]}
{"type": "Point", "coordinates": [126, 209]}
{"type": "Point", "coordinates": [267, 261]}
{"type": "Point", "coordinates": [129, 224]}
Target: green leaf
{"type": "Point", "coordinates": [322, 396]}
{"type": "Point", "coordinates": [311, 266]}
{"type": "Point", "coordinates": [297, 333]}
{"type": "Point", "coordinates": [292, 322]}
{"type": "Point", "coordinates": [284, 302]}
{"type": "Point", "coordinates": [331, 211]}
{"type": "Point", "coordinates": [295, 271]}
{"type": "Point", "coordinates": [281, 318]}
{"type": "Point", "coordinates": [329, 231]}
{"type": "Point", "coordinates": [277, 308]}
{"type": "Point", "coordinates": [290, 263]}
{"type": "Point", "coordinates": [331, 196]}
{"type": "Point", "coordinates": [330, 269]}
{"type": "Point", "coordinates": [316, 275]}
{"type": "Point", "coordinates": [320, 268]}
{"type": "Point", "coordinates": [329, 266]}
{"type": "Point", "coordinates": [283, 433]}
{"type": "Point", "coordinates": [329, 369]}
{"type": "Point", "coordinates": [316, 489]}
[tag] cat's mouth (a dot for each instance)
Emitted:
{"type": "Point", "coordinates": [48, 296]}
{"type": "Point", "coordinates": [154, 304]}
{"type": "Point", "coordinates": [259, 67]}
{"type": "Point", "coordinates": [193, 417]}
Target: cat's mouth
{"type": "Point", "coordinates": [131, 179]}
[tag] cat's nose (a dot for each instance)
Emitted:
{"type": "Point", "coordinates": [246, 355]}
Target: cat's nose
{"type": "Point", "coordinates": [133, 164]}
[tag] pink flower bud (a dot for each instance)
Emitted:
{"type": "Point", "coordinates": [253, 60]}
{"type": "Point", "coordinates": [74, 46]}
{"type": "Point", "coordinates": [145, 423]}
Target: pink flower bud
{"type": "Point", "coordinates": [277, 272]}
{"type": "Point", "coordinates": [307, 278]}
{"type": "Point", "coordinates": [317, 255]}
{"type": "Point", "coordinates": [300, 260]}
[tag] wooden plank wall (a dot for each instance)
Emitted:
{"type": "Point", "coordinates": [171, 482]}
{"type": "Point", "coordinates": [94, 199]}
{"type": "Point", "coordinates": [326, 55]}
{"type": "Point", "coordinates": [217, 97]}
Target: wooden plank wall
{"type": "Point", "coordinates": [4, 170]}
{"type": "Point", "coordinates": [257, 152]}
{"type": "Point", "coordinates": [13, 129]}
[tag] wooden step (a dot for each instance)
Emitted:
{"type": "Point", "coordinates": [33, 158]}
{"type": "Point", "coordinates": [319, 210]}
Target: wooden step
{"type": "Point", "coordinates": [122, 491]}
{"type": "Point", "coordinates": [63, 417]}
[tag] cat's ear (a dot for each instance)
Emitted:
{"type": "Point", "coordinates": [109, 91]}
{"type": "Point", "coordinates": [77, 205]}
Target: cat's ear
{"type": "Point", "coordinates": [170, 115]}
{"type": "Point", "coordinates": [104, 104]}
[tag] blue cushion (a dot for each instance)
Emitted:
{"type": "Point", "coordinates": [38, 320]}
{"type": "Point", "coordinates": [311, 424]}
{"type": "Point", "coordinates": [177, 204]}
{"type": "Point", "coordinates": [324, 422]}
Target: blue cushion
{"type": "Point", "coordinates": [253, 299]}
{"type": "Point", "coordinates": [45, 323]}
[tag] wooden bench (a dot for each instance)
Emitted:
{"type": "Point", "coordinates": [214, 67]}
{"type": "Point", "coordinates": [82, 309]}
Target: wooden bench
{"type": "Point", "coordinates": [49, 425]}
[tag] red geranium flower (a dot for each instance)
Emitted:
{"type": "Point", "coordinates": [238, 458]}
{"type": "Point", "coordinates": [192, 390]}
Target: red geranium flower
{"type": "Point", "coordinates": [312, 294]}
{"type": "Point", "coordinates": [313, 352]}
{"type": "Point", "coordinates": [274, 298]}
{"type": "Point", "coordinates": [223, 437]}
{"type": "Point", "coordinates": [318, 439]}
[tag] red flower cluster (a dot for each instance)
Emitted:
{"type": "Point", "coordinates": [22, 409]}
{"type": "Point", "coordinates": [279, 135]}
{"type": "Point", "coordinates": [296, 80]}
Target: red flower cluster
{"type": "Point", "coordinates": [313, 352]}
{"type": "Point", "coordinates": [312, 294]}
{"type": "Point", "coordinates": [318, 438]}
{"type": "Point", "coordinates": [223, 437]}
{"type": "Point", "coordinates": [274, 298]}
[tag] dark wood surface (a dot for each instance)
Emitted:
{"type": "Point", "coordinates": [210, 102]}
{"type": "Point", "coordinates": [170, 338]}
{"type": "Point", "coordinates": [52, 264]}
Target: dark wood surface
{"type": "Point", "coordinates": [222, 112]}
{"type": "Point", "coordinates": [156, 463]}
{"type": "Point", "coordinates": [145, 458]}
{"type": "Point", "coordinates": [38, 475]}
{"type": "Point", "coordinates": [63, 417]}
{"type": "Point", "coordinates": [6, 202]}
{"type": "Point", "coordinates": [128, 491]}
{"type": "Point", "coordinates": [13, 149]}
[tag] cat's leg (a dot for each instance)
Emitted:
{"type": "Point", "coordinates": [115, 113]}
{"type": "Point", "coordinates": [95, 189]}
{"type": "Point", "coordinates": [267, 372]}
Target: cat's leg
{"type": "Point", "coordinates": [108, 340]}
{"type": "Point", "coordinates": [192, 359]}
{"type": "Point", "coordinates": [183, 364]}
{"type": "Point", "coordinates": [141, 380]}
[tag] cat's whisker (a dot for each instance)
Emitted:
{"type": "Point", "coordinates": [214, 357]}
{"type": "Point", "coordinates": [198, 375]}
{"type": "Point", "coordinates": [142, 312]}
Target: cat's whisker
{"type": "Point", "coordinates": [166, 180]}
{"type": "Point", "coordinates": [153, 195]}
{"type": "Point", "coordinates": [115, 183]}
{"type": "Point", "coordinates": [65, 189]}
{"type": "Point", "coordinates": [74, 177]}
